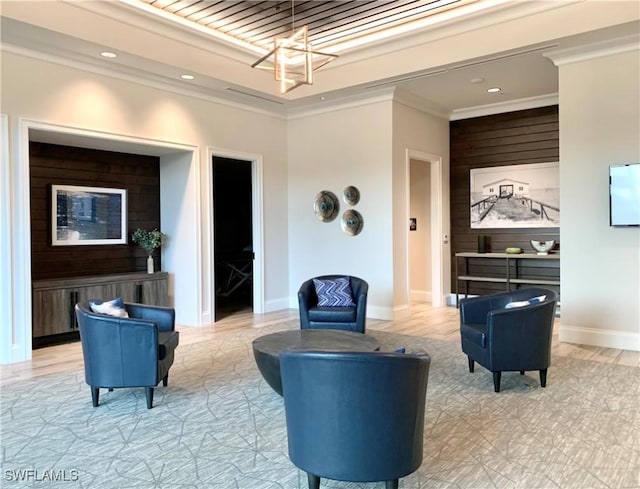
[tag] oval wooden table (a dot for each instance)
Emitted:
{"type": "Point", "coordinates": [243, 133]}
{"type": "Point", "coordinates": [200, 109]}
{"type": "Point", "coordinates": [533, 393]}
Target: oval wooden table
{"type": "Point", "coordinates": [267, 349]}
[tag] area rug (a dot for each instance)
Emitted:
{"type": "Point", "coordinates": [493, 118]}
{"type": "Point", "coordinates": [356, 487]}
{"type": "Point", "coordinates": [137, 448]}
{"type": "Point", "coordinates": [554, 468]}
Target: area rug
{"type": "Point", "coordinates": [219, 425]}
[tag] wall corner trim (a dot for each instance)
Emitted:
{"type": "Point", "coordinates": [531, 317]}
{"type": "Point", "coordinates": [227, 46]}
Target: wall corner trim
{"type": "Point", "coordinates": [595, 50]}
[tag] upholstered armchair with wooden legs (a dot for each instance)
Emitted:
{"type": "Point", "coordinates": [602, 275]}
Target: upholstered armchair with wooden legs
{"type": "Point", "coordinates": [509, 331]}
{"type": "Point", "coordinates": [354, 416]}
{"type": "Point", "coordinates": [127, 352]}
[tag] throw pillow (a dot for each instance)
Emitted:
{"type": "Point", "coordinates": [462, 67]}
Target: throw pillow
{"type": "Point", "coordinates": [110, 308]}
{"type": "Point", "coordinates": [334, 292]}
{"type": "Point", "coordinates": [533, 300]}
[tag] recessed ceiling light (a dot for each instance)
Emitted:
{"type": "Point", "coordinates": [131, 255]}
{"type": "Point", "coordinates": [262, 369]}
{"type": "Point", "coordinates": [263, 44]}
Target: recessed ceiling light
{"type": "Point", "coordinates": [477, 80]}
{"type": "Point", "coordinates": [187, 77]}
{"type": "Point", "coordinates": [108, 54]}
{"type": "Point", "coordinates": [494, 90]}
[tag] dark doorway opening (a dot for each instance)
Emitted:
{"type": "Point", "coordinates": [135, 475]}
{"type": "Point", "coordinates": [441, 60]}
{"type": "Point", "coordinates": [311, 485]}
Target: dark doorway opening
{"type": "Point", "coordinates": [233, 236]}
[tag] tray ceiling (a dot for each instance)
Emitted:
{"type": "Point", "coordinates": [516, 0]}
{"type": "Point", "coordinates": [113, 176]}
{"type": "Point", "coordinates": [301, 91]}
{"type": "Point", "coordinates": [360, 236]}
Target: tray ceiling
{"type": "Point", "coordinates": [257, 23]}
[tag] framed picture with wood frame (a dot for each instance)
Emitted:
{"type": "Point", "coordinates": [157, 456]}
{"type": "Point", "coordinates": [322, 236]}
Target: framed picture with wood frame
{"type": "Point", "coordinates": [88, 215]}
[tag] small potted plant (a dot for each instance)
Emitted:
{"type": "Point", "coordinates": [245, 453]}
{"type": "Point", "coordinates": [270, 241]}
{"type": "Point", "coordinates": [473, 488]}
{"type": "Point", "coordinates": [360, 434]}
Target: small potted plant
{"type": "Point", "coordinates": [148, 241]}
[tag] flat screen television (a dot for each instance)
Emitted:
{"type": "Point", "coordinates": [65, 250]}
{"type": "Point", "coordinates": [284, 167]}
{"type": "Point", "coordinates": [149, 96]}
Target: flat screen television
{"type": "Point", "coordinates": [624, 195]}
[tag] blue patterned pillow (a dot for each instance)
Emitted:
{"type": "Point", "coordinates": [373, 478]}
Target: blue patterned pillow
{"type": "Point", "coordinates": [334, 292]}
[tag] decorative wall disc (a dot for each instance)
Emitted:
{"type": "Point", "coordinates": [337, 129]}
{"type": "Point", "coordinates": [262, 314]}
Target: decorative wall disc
{"type": "Point", "coordinates": [351, 195]}
{"type": "Point", "coordinates": [326, 206]}
{"type": "Point", "coordinates": [352, 222]}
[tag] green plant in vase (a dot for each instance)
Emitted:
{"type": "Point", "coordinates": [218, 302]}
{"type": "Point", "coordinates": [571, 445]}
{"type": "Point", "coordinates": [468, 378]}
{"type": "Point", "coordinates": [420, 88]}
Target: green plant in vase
{"type": "Point", "coordinates": [148, 241]}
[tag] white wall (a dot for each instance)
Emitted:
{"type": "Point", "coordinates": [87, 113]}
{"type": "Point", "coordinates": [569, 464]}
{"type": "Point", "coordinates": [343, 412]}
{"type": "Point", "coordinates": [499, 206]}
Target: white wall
{"type": "Point", "coordinates": [37, 90]}
{"type": "Point", "coordinates": [348, 145]}
{"type": "Point", "coordinates": [600, 265]}
{"type": "Point", "coordinates": [417, 131]}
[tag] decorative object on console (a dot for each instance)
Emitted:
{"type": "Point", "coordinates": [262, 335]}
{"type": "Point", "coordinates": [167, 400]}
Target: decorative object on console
{"type": "Point", "coordinates": [543, 247]}
{"type": "Point", "coordinates": [482, 243]}
{"type": "Point", "coordinates": [513, 250]}
{"type": "Point", "coordinates": [326, 206]}
{"type": "Point", "coordinates": [351, 195]}
{"type": "Point", "coordinates": [352, 222]}
{"type": "Point", "coordinates": [148, 241]}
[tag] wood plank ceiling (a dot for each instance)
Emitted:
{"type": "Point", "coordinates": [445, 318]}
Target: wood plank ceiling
{"type": "Point", "coordinates": [329, 23]}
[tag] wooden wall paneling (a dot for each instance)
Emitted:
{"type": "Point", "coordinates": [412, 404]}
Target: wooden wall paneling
{"type": "Point", "coordinates": [65, 165]}
{"type": "Point", "coordinates": [513, 138]}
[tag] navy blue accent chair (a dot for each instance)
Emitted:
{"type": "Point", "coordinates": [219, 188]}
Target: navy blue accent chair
{"type": "Point", "coordinates": [345, 318]}
{"type": "Point", "coordinates": [509, 340]}
{"type": "Point", "coordinates": [127, 352]}
{"type": "Point", "coordinates": [354, 416]}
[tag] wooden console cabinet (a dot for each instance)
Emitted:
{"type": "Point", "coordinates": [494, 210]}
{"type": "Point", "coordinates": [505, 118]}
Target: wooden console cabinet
{"type": "Point", "coordinates": [515, 269]}
{"type": "Point", "coordinates": [54, 300]}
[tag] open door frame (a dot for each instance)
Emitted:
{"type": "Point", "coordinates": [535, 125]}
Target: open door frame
{"type": "Point", "coordinates": [437, 238]}
{"type": "Point", "coordinates": [257, 222]}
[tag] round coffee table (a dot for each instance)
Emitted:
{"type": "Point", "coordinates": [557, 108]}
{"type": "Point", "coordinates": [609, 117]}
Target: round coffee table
{"type": "Point", "coordinates": [267, 349]}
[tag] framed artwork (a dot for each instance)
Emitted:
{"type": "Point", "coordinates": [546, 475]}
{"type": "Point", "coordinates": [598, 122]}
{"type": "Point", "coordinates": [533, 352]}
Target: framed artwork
{"type": "Point", "coordinates": [88, 215]}
{"type": "Point", "coordinates": [515, 196]}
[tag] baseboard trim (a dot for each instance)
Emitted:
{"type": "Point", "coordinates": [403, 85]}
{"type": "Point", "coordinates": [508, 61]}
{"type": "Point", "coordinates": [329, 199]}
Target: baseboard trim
{"type": "Point", "coordinates": [378, 312]}
{"type": "Point", "coordinates": [280, 304]}
{"type": "Point", "coordinates": [622, 340]}
{"type": "Point", "coordinates": [420, 295]}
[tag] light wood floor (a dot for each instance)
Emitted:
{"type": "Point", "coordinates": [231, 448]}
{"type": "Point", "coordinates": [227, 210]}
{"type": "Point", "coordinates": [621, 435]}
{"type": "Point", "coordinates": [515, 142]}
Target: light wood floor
{"type": "Point", "coordinates": [424, 320]}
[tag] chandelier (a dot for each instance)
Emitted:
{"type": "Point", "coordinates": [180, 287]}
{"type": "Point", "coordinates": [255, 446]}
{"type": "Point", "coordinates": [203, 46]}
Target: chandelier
{"type": "Point", "coordinates": [293, 60]}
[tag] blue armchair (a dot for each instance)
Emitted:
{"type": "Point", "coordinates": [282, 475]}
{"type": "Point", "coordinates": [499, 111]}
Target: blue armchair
{"type": "Point", "coordinates": [354, 416]}
{"type": "Point", "coordinates": [504, 339]}
{"type": "Point", "coordinates": [333, 317]}
{"type": "Point", "coordinates": [127, 352]}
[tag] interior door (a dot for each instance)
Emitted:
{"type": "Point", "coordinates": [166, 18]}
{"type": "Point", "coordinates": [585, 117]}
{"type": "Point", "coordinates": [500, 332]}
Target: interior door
{"type": "Point", "coordinates": [233, 236]}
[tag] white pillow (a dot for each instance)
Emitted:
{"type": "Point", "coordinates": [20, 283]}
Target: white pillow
{"type": "Point", "coordinates": [533, 300]}
{"type": "Point", "coordinates": [110, 308]}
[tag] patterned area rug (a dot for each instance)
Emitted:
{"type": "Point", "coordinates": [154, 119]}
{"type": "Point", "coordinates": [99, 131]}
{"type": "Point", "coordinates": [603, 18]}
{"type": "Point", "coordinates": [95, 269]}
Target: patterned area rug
{"type": "Point", "coordinates": [219, 425]}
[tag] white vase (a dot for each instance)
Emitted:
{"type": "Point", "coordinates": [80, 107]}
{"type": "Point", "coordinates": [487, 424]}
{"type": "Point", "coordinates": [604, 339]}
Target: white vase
{"type": "Point", "coordinates": [150, 264]}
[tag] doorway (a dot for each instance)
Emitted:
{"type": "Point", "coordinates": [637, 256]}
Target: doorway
{"type": "Point", "coordinates": [419, 232]}
{"type": "Point", "coordinates": [427, 183]}
{"type": "Point", "coordinates": [233, 236]}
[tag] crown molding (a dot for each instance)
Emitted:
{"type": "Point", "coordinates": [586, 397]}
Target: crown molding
{"type": "Point", "coordinates": [418, 103]}
{"type": "Point", "coordinates": [502, 107]}
{"type": "Point", "coordinates": [595, 50]}
{"type": "Point", "coordinates": [346, 102]}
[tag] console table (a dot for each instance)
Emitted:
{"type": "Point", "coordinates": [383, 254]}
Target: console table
{"type": "Point", "coordinates": [512, 266]}
{"type": "Point", "coordinates": [54, 299]}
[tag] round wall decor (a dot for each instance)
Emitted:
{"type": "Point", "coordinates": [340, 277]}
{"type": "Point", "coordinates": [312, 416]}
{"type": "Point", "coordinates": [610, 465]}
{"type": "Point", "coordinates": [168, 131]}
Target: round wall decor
{"type": "Point", "coordinates": [352, 222]}
{"type": "Point", "coordinates": [351, 195]}
{"type": "Point", "coordinates": [326, 206]}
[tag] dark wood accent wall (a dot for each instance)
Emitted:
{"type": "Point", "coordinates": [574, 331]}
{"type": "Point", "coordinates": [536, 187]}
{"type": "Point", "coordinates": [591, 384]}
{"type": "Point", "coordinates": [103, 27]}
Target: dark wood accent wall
{"type": "Point", "coordinates": [513, 138]}
{"type": "Point", "coordinates": [66, 165]}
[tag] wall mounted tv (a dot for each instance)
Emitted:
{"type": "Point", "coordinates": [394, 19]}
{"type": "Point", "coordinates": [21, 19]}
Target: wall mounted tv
{"type": "Point", "coordinates": [624, 195]}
